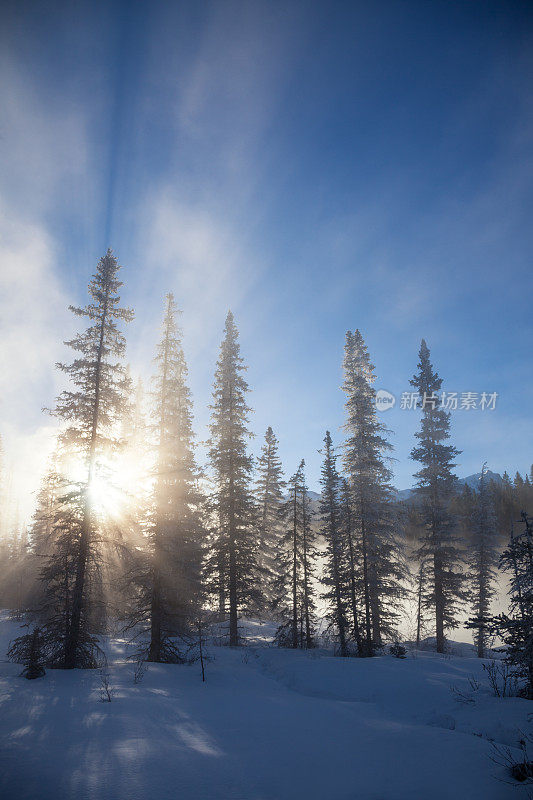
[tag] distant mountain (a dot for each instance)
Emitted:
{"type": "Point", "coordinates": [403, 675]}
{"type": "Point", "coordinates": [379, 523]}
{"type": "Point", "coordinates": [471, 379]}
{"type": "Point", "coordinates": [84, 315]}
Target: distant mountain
{"type": "Point", "coordinates": [470, 480]}
{"type": "Point", "coordinates": [405, 494]}
{"type": "Point", "coordinates": [473, 480]}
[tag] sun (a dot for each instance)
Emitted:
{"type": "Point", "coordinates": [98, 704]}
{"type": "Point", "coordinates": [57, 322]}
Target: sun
{"type": "Point", "coordinates": [106, 499]}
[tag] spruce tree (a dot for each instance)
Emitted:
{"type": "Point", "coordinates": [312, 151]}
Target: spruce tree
{"type": "Point", "coordinates": [269, 496]}
{"type": "Point", "coordinates": [91, 411]}
{"type": "Point", "coordinates": [308, 557]}
{"type": "Point", "coordinates": [354, 560]}
{"type": "Point", "coordinates": [232, 563]}
{"type": "Point", "coordinates": [294, 603]}
{"type": "Point", "coordinates": [516, 627]}
{"type": "Point", "coordinates": [28, 650]}
{"type": "Point", "coordinates": [58, 581]}
{"type": "Point", "coordinates": [170, 572]}
{"type": "Point", "coordinates": [374, 523]}
{"type": "Point", "coordinates": [434, 488]}
{"type": "Point", "coordinates": [337, 570]}
{"type": "Point", "coordinates": [482, 560]}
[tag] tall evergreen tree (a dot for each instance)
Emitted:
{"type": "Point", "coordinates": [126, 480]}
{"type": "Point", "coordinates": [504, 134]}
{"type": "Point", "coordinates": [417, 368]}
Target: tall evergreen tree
{"type": "Point", "coordinates": [365, 451]}
{"type": "Point", "coordinates": [232, 562]}
{"type": "Point", "coordinates": [354, 561]}
{"type": "Point", "coordinates": [170, 582]}
{"type": "Point", "coordinates": [91, 412]}
{"type": "Point", "coordinates": [337, 571]}
{"type": "Point", "coordinates": [482, 560]}
{"type": "Point", "coordinates": [66, 518]}
{"type": "Point", "coordinates": [294, 596]}
{"type": "Point", "coordinates": [434, 487]}
{"type": "Point", "coordinates": [516, 627]}
{"type": "Point", "coordinates": [269, 494]}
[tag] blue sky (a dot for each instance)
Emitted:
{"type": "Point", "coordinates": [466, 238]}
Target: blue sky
{"type": "Point", "coordinates": [317, 167]}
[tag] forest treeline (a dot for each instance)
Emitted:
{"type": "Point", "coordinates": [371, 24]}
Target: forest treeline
{"type": "Point", "coordinates": [129, 529]}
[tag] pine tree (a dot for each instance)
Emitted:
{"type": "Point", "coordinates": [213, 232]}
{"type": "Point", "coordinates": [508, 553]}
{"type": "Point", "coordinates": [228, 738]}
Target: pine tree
{"type": "Point", "coordinates": [28, 650]}
{"type": "Point", "coordinates": [368, 477]}
{"type": "Point", "coordinates": [354, 559]}
{"type": "Point", "coordinates": [269, 495]}
{"type": "Point", "coordinates": [434, 488]}
{"type": "Point", "coordinates": [308, 557]}
{"type": "Point", "coordinates": [58, 582]}
{"type": "Point", "coordinates": [232, 563]}
{"type": "Point", "coordinates": [91, 411]}
{"type": "Point", "coordinates": [482, 560]}
{"type": "Point", "coordinates": [294, 597]}
{"type": "Point", "coordinates": [170, 575]}
{"type": "Point", "coordinates": [516, 627]}
{"type": "Point", "coordinates": [422, 574]}
{"type": "Point", "coordinates": [337, 572]}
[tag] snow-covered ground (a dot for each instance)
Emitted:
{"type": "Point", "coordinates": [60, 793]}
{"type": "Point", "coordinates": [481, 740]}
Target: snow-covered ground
{"type": "Point", "coordinates": [268, 724]}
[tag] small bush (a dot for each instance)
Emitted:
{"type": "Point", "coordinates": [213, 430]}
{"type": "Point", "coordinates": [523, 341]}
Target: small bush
{"type": "Point", "coordinates": [28, 650]}
{"type": "Point", "coordinates": [106, 691]}
{"type": "Point", "coordinates": [502, 679]}
{"type": "Point", "coordinates": [521, 768]}
{"type": "Point", "coordinates": [397, 650]}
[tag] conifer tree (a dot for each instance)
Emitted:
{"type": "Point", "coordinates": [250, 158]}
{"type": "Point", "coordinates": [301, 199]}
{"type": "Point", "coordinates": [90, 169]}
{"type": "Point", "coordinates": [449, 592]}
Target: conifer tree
{"type": "Point", "coordinates": [434, 487]}
{"type": "Point", "coordinates": [516, 627]}
{"type": "Point", "coordinates": [294, 601]}
{"type": "Point", "coordinates": [337, 572]}
{"type": "Point", "coordinates": [58, 580]}
{"type": "Point", "coordinates": [91, 411]}
{"type": "Point", "coordinates": [42, 540]}
{"type": "Point", "coordinates": [170, 580]}
{"type": "Point", "coordinates": [232, 561]}
{"type": "Point", "coordinates": [28, 650]}
{"type": "Point", "coordinates": [269, 493]}
{"type": "Point", "coordinates": [482, 560]}
{"type": "Point", "coordinates": [354, 560]}
{"type": "Point", "coordinates": [365, 451]}
{"type": "Point", "coordinates": [308, 557]}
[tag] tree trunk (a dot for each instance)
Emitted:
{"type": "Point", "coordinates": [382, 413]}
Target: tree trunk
{"type": "Point", "coordinates": [155, 620]}
{"type": "Point", "coordinates": [233, 618]}
{"type": "Point", "coordinates": [73, 638]}
{"type": "Point", "coordinates": [72, 643]}
{"type": "Point", "coordinates": [221, 587]}
{"type": "Point", "coordinates": [338, 597]}
{"type": "Point", "coordinates": [419, 609]}
{"type": "Point", "coordinates": [368, 645]}
{"type": "Point", "coordinates": [308, 637]}
{"type": "Point", "coordinates": [295, 575]}
{"type": "Point", "coordinates": [357, 632]}
{"type": "Point", "coordinates": [439, 606]}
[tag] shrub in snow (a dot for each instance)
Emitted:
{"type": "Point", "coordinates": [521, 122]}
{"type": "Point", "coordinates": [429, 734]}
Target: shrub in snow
{"type": "Point", "coordinates": [106, 691]}
{"type": "Point", "coordinates": [520, 769]}
{"type": "Point", "coordinates": [397, 650]}
{"type": "Point", "coordinates": [27, 650]}
{"type": "Point", "coordinates": [502, 679]}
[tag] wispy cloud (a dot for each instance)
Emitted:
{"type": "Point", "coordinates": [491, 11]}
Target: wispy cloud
{"type": "Point", "coordinates": [42, 157]}
{"type": "Point", "coordinates": [33, 322]}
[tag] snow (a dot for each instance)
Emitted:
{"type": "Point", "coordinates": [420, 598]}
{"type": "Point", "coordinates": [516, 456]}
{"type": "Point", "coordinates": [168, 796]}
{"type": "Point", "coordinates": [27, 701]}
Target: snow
{"type": "Point", "coordinates": [268, 724]}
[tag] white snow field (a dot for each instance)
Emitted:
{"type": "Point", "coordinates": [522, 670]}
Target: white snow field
{"type": "Point", "coordinates": [268, 724]}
